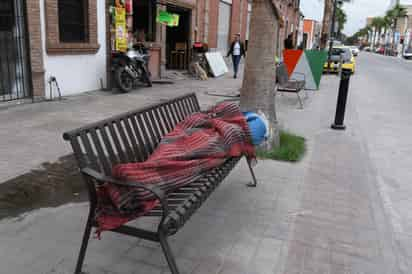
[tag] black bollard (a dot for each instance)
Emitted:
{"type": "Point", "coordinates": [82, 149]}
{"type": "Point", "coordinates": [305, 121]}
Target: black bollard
{"type": "Point", "coordinates": [342, 96]}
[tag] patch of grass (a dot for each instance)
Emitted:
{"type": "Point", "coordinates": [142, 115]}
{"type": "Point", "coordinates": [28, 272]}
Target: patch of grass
{"type": "Point", "coordinates": [291, 149]}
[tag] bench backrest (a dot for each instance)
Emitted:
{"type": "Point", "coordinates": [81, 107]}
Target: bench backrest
{"type": "Point", "coordinates": [282, 74]}
{"type": "Point", "coordinates": [128, 137]}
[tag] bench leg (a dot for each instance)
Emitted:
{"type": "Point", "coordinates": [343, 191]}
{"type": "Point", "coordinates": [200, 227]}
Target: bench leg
{"type": "Point", "coordinates": [254, 183]}
{"type": "Point", "coordinates": [85, 242]}
{"type": "Point", "coordinates": [300, 100]}
{"type": "Point", "coordinates": [168, 254]}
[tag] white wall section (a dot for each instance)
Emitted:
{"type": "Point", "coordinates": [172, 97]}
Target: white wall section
{"type": "Point", "coordinates": [77, 73]}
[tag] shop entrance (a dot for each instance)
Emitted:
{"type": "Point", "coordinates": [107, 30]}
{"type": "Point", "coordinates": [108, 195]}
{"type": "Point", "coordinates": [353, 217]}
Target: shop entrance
{"type": "Point", "coordinates": [178, 40]}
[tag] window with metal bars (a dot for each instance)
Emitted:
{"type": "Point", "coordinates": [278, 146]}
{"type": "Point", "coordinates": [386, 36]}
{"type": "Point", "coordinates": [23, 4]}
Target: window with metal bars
{"type": "Point", "coordinates": [73, 21]}
{"type": "Point", "coordinates": [6, 15]}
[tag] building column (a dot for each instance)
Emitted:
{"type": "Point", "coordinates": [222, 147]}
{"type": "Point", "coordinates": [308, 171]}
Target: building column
{"type": "Point", "coordinates": [35, 47]}
{"type": "Point", "coordinates": [206, 22]}
{"type": "Point", "coordinates": [161, 40]}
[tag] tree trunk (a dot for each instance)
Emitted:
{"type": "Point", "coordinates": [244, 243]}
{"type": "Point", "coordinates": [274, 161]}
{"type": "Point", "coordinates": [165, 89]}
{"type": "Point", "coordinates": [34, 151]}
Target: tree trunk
{"type": "Point", "coordinates": [379, 37]}
{"type": "Point", "coordinates": [326, 24]}
{"type": "Point", "coordinates": [258, 89]}
{"type": "Point", "coordinates": [393, 34]}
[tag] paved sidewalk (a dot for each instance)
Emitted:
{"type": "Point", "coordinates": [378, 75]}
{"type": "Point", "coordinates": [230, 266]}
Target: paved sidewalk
{"type": "Point", "coordinates": [32, 133]}
{"type": "Point", "coordinates": [322, 215]}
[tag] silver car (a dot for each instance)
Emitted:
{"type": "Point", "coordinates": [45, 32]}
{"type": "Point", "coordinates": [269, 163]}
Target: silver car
{"type": "Point", "coordinates": [355, 50]}
{"type": "Point", "coordinates": [407, 53]}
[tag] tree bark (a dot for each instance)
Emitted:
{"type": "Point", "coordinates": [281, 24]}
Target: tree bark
{"type": "Point", "coordinates": [395, 26]}
{"type": "Point", "coordinates": [258, 89]}
{"type": "Point", "coordinates": [379, 37]}
{"type": "Point", "coordinates": [326, 24]}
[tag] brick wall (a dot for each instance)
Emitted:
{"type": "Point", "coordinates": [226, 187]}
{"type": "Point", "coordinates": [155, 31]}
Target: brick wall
{"type": "Point", "coordinates": [235, 20]}
{"type": "Point", "coordinates": [238, 21]}
{"type": "Point", "coordinates": [53, 44]}
{"type": "Point", "coordinates": [213, 22]}
{"type": "Point", "coordinates": [200, 21]}
{"type": "Point", "coordinates": [35, 46]}
{"type": "Point", "coordinates": [290, 15]}
{"type": "Point", "coordinates": [244, 19]}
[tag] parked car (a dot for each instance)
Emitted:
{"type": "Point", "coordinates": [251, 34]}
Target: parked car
{"type": "Point", "coordinates": [407, 54]}
{"type": "Point", "coordinates": [340, 54]}
{"type": "Point", "coordinates": [367, 49]}
{"type": "Point", "coordinates": [355, 50]}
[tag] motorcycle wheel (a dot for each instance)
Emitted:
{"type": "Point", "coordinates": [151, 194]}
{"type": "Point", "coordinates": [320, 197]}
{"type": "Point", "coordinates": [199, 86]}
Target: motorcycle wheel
{"type": "Point", "coordinates": [124, 80]}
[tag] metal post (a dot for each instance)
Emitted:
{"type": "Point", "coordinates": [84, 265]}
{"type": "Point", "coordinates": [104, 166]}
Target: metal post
{"type": "Point", "coordinates": [332, 32]}
{"type": "Point", "coordinates": [342, 98]}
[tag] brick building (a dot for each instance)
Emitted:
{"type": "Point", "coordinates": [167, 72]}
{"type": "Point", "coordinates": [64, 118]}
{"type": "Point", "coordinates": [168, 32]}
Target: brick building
{"type": "Point", "coordinates": [44, 38]}
{"type": "Point", "coordinates": [220, 20]}
{"type": "Point", "coordinates": [290, 14]}
{"type": "Point", "coordinates": [71, 40]}
{"type": "Point", "coordinates": [311, 33]}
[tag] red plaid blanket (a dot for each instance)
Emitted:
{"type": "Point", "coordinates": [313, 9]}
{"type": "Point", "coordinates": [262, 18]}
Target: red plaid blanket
{"type": "Point", "coordinates": [201, 142]}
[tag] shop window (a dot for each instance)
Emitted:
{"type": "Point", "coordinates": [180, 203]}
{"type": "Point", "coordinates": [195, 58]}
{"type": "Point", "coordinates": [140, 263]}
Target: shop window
{"type": "Point", "coordinates": [73, 21]}
{"type": "Point", "coordinates": [71, 26]}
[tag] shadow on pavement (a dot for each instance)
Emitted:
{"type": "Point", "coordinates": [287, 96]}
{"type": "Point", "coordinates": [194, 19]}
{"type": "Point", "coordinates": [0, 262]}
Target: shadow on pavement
{"type": "Point", "coordinates": [52, 185]}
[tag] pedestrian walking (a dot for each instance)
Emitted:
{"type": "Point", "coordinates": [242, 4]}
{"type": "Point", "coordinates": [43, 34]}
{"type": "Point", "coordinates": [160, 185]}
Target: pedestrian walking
{"type": "Point", "coordinates": [237, 50]}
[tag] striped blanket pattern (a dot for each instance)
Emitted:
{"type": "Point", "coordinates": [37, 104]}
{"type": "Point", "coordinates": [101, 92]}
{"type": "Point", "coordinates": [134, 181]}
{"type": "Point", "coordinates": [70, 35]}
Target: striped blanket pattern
{"type": "Point", "coordinates": [198, 144]}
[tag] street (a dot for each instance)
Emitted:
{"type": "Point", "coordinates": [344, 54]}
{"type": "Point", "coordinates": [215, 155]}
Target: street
{"type": "Point", "coordinates": [383, 95]}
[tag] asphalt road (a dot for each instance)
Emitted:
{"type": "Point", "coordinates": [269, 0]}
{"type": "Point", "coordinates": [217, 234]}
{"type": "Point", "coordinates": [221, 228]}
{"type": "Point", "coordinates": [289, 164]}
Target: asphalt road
{"type": "Point", "coordinates": [382, 92]}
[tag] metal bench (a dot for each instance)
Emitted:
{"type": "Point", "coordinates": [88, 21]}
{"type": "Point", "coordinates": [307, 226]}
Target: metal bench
{"type": "Point", "coordinates": [289, 85]}
{"type": "Point", "coordinates": [132, 137]}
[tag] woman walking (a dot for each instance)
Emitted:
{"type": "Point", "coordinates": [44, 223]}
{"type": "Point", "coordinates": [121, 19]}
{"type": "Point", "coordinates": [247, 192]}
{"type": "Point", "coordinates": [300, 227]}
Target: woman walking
{"type": "Point", "coordinates": [237, 50]}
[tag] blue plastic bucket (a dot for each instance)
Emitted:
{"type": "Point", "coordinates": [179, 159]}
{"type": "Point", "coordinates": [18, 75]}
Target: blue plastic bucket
{"type": "Point", "coordinates": [257, 127]}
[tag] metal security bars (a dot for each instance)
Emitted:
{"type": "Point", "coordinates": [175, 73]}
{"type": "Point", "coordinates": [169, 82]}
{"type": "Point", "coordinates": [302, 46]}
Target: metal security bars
{"type": "Point", "coordinates": [14, 73]}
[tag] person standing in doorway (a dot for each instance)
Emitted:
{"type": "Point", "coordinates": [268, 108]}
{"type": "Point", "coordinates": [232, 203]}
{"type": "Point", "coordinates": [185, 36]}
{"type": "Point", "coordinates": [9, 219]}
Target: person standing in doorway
{"type": "Point", "coordinates": [288, 43]}
{"type": "Point", "coordinates": [237, 50]}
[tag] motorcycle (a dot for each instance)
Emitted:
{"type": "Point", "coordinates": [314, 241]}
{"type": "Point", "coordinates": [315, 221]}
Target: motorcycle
{"type": "Point", "coordinates": [131, 67]}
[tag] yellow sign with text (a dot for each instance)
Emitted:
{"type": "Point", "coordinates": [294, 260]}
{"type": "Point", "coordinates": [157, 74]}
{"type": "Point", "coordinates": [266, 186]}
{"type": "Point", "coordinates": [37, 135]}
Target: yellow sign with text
{"type": "Point", "coordinates": [121, 30]}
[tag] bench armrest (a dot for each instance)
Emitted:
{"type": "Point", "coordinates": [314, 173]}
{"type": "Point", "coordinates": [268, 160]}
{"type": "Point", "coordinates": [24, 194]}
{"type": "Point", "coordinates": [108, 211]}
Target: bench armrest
{"type": "Point", "coordinates": [155, 190]}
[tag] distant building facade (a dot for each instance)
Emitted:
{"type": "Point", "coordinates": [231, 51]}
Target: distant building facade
{"type": "Point", "coordinates": [311, 33]}
{"type": "Point", "coordinates": [289, 25]}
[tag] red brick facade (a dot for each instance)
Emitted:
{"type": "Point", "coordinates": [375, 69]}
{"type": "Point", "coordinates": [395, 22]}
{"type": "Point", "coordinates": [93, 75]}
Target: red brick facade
{"type": "Point", "coordinates": [289, 12]}
{"type": "Point", "coordinates": [213, 22]}
{"type": "Point", "coordinates": [53, 44]}
{"type": "Point", "coordinates": [35, 44]}
{"type": "Point", "coordinates": [208, 19]}
{"type": "Point", "coordinates": [204, 28]}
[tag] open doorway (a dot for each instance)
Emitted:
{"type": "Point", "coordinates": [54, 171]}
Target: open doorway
{"type": "Point", "coordinates": [178, 40]}
{"type": "Point", "coordinates": [305, 41]}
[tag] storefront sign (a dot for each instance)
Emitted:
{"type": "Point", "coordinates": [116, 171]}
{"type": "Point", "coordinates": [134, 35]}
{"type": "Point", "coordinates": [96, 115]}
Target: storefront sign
{"type": "Point", "coordinates": [168, 19]}
{"type": "Point", "coordinates": [121, 30]}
